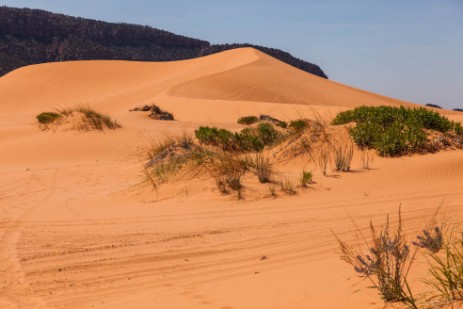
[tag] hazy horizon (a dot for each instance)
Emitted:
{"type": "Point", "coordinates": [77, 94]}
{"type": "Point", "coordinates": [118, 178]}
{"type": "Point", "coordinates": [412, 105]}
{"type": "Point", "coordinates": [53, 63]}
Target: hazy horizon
{"type": "Point", "coordinates": [410, 51]}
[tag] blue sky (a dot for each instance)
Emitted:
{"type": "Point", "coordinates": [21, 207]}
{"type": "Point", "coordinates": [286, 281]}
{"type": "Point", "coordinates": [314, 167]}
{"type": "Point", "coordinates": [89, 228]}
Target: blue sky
{"type": "Point", "coordinates": [411, 50]}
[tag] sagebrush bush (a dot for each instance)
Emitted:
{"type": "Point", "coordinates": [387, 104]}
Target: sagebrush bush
{"type": "Point", "coordinates": [248, 142]}
{"type": "Point", "coordinates": [298, 125]}
{"type": "Point", "coordinates": [48, 117]}
{"type": "Point", "coordinates": [267, 133]}
{"type": "Point", "coordinates": [395, 131]}
{"type": "Point", "coordinates": [216, 137]}
{"type": "Point", "coordinates": [248, 120]}
{"type": "Point", "coordinates": [245, 141]}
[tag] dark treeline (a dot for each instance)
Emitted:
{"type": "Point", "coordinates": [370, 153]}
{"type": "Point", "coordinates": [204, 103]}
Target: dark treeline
{"type": "Point", "coordinates": [30, 36]}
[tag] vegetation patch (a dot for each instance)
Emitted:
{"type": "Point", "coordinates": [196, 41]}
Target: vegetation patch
{"type": "Point", "coordinates": [306, 178]}
{"type": "Point", "coordinates": [388, 256]}
{"type": "Point", "coordinates": [298, 126]}
{"type": "Point", "coordinates": [396, 131]}
{"type": "Point", "coordinates": [433, 105]}
{"type": "Point", "coordinates": [155, 112]}
{"type": "Point", "coordinates": [249, 120]}
{"type": "Point", "coordinates": [48, 117]}
{"type": "Point", "coordinates": [245, 141]}
{"type": "Point", "coordinates": [82, 118]}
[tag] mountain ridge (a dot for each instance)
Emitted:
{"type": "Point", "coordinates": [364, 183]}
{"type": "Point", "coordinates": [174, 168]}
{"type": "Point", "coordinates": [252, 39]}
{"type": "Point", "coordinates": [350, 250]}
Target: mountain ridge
{"type": "Point", "coordinates": [33, 36]}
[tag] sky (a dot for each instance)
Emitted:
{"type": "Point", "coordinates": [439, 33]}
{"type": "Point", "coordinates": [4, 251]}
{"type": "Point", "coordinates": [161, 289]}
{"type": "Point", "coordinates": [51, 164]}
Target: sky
{"type": "Point", "coordinates": [410, 50]}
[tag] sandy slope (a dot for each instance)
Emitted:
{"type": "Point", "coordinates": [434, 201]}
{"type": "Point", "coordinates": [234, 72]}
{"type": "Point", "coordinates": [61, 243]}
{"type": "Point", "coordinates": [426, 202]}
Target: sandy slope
{"type": "Point", "coordinates": [78, 231]}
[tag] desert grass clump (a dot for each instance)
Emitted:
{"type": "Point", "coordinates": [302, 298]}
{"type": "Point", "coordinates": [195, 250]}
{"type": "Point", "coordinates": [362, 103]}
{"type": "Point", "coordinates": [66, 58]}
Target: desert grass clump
{"type": "Point", "coordinates": [228, 170]}
{"type": "Point", "coordinates": [298, 126]}
{"type": "Point", "coordinates": [445, 258]}
{"type": "Point", "coordinates": [306, 179]}
{"type": "Point", "coordinates": [168, 157]}
{"type": "Point", "coordinates": [248, 120]}
{"type": "Point", "coordinates": [263, 168]}
{"type": "Point", "coordinates": [324, 158]}
{"type": "Point", "coordinates": [91, 119]}
{"type": "Point", "coordinates": [365, 160]}
{"type": "Point", "coordinates": [273, 191]}
{"type": "Point", "coordinates": [287, 186]}
{"type": "Point", "coordinates": [446, 270]}
{"type": "Point", "coordinates": [385, 261]}
{"type": "Point", "coordinates": [95, 120]}
{"type": "Point", "coordinates": [48, 117]}
{"type": "Point", "coordinates": [343, 155]}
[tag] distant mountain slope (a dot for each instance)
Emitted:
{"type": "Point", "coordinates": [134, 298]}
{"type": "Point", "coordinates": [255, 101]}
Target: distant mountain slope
{"type": "Point", "coordinates": [30, 36]}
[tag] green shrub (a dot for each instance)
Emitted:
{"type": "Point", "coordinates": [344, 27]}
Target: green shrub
{"type": "Point", "coordinates": [216, 137]}
{"type": "Point", "coordinates": [248, 120]}
{"type": "Point", "coordinates": [394, 131]}
{"type": "Point", "coordinates": [48, 117]}
{"type": "Point", "coordinates": [282, 124]}
{"type": "Point", "coordinates": [298, 125]}
{"type": "Point", "coordinates": [248, 142]}
{"type": "Point", "coordinates": [267, 133]}
{"type": "Point", "coordinates": [245, 141]}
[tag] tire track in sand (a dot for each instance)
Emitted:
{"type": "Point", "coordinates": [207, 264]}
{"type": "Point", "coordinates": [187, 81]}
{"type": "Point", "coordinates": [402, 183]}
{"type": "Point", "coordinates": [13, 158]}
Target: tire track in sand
{"type": "Point", "coordinates": [15, 290]}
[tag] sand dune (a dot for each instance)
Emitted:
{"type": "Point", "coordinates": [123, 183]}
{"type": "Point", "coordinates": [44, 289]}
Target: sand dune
{"type": "Point", "coordinates": [78, 231]}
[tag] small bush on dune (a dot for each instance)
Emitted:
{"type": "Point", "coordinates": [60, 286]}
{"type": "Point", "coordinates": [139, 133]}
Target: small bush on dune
{"type": "Point", "coordinates": [395, 131]}
{"type": "Point", "coordinates": [96, 120]}
{"type": "Point", "coordinates": [248, 142]}
{"type": "Point", "coordinates": [433, 105]}
{"type": "Point", "coordinates": [48, 117]}
{"type": "Point", "coordinates": [267, 133]}
{"type": "Point", "coordinates": [91, 119]}
{"type": "Point", "coordinates": [156, 112]}
{"type": "Point", "coordinates": [298, 126]}
{"type": "Point", "coordinates": [216, 137]}
{"type": "Point", "coordinates": [245, 141]}
{"type": "Point", "coordinates": [248, 120]}
{"type": "Point", "coordinates": [158, 148]}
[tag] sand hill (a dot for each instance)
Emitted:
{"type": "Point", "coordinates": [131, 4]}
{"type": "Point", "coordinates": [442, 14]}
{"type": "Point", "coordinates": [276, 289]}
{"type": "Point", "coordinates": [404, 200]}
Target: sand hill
{"type": "Point", "coordinates": [78, 231]}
